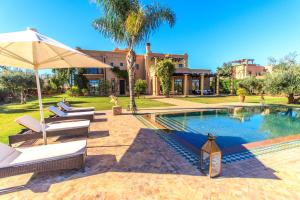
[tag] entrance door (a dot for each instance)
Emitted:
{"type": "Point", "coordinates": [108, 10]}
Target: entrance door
{"type": "Point", "coordinates": [122, 87]}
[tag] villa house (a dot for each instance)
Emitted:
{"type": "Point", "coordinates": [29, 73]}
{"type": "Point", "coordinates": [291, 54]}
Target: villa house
{"type": "Point", "coordinates": [244, 68]}
{"type": "Point", "coordinates": [185, 81]}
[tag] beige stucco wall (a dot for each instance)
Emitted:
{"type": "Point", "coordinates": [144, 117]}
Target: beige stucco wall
{"type": "Point", "coordinates": [243, 71]}
{"type": "Point", "coordinates": [144, 70]}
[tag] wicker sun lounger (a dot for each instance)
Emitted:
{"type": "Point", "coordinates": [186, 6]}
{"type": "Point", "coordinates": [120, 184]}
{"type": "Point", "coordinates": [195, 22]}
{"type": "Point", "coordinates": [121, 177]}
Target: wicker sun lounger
{"type": "Point", "coordinates": [67, 108]}
{"type": "Point", "coordinates": [60, 115]}
{"type": "Point", "coordinates": [74, 128]}
{"type": "Point", "coordinates": [15, 161]}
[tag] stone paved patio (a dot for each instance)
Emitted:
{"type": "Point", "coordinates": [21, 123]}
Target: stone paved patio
{"type": "Point", "coordinates": [126, 160]}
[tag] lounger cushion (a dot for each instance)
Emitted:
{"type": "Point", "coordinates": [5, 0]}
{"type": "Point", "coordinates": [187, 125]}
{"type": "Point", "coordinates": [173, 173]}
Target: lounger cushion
{"type": "Point", "coordinates": [47, 152]}
{"type": "Point", "coordinates": [82, 109]}
{"type": "Point", "coordinates": [30, 123]}
{"type": "Point", "coordinates": [63, 114]}
{"type": "Point", "coordinates": [56, 111]}
{"type": "Point", "coordinates": [34, 125]}
{"type": "Point", "coordinates": [68, 108]}
{"type": "Point", "coordinates": [67, 125]}
{"type": "Point", "coordinates": [74, 114]}
{"type": "Point", "coordinates": [7, 154]}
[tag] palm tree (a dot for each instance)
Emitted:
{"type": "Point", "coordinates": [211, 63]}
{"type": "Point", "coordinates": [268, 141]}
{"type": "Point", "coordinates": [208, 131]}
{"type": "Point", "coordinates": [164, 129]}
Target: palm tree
{"type": "Point", "coordinates": [130, 23]}
{"type": "Point", "coordinates": [227, 71]}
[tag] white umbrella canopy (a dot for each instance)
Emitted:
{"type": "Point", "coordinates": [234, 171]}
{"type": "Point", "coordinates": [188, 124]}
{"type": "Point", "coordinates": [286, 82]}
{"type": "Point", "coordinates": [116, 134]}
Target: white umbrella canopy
{"type": "Point", "coordinates": [32, 50]}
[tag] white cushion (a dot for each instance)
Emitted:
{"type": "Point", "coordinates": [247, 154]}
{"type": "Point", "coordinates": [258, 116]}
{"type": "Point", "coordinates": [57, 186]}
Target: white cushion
{"type": "Point", "coordinates": [7, 154]}
{"type": "Point", "coordinates": [29, 123]}
{"type": "Point", "coordinates": [67, 125]}
{"type": "Point", "coordinates": [56, 111]}
{"type": "Point", "coordinates": [47, 152]}
{"type": "Point", "coordinates": [82, 109]}
{"type": "Point", "coordinates": [68, 108]}
{"type": "Point", "coordinates": [64, 106]}
{"type": "Point", "coordinates": [74, 114]}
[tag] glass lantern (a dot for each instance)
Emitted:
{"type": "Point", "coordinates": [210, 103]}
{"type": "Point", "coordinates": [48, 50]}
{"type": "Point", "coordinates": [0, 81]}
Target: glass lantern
{"type": "Point", "coordinates": [211, 157]}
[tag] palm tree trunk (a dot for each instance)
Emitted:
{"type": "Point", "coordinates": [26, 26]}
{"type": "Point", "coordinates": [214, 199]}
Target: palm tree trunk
{"type": "Point", "coordinates": [21, 97]}
{"type": "Point", "coordinates": [131, 58]}
{"type": "Point", "coordinates": [262, 96]}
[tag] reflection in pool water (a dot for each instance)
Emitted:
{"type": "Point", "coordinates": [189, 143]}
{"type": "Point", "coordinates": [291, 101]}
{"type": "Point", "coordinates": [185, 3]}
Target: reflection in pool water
{"type": "Point", "coordinates": [233, 127]}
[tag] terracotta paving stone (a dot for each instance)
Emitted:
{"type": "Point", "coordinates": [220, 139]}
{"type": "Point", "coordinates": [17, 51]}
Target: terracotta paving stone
{"type": "Point", "coordinates": [126, 160]}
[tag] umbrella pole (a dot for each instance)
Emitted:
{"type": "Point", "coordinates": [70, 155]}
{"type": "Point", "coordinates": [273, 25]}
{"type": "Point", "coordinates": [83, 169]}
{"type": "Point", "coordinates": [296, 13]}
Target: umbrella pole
{"type": "Point", "coordinates": [37, 78]}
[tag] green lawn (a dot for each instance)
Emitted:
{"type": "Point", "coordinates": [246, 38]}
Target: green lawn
{"type": "Point", "coordinates": [9, 112]}
{"type": "Point", "coordinates": [227, 99]}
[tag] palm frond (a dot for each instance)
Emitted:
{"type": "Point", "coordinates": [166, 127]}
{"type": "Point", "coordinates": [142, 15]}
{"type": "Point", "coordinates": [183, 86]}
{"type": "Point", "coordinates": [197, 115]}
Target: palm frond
{"type": "Point", "coordinates": [110, 28]}
{"type": "Point", "coordinates": [154, 16]}
{"type": "Point", "coordinates": [118, 8]}
{"type": "Point", "coordinates": [126, 21]}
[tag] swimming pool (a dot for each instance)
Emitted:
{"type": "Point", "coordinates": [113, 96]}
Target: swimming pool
{"type": "Point", "coordinates": [234, 128]}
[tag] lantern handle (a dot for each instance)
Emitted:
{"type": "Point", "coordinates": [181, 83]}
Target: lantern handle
{"type": "Point", "coordinates": [211, 136]}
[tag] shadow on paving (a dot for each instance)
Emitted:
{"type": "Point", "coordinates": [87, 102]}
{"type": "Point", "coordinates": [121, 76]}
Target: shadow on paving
{"type": "Point", "coordinates": [146, 154]}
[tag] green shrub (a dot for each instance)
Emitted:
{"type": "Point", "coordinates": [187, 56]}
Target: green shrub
{"type": "Point", "coordinates": [85, 92]}
{"type": "Point", "coordinates": [140, 87]}
{"type": "Point", "coordinates": [225, 85]}
{"type": "Point", "coordinates": [73, 91]}
{"type": "Point", "coordinates": [165, 69]}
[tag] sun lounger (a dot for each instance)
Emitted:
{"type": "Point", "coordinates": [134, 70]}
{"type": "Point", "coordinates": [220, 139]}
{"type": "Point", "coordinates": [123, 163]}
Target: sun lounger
{"type": "Point", "coordinates": [60, 115]}
{"type": "Point", "coordinates": [79, 127]}
{"type": "Point", "coordinates": [67, 108]}
{"type": "Point", "coordinates": [15, 161]}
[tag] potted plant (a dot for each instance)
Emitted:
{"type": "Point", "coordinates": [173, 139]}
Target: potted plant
{"type": "Point", "coordinates": [241, 92]}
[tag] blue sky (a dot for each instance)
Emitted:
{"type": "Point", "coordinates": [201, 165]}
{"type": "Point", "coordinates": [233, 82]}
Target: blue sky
{"type": "Point", "coordinates": [210, 31]}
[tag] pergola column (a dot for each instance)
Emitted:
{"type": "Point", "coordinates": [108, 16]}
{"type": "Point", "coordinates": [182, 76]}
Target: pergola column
{"type": "Point", "coordinates": [155, 83]}
{"type": "Point", "coordinates": [186, 85]}
{"type": "Point", "coordinates": [217, 85]}
{"type": "Point", "coordinates": [202, 84]}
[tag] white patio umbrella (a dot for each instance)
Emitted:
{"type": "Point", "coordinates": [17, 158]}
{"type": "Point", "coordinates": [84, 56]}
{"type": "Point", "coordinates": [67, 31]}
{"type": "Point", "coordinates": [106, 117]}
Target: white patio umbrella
{"type": "Point", "coordinates": [32, 50]}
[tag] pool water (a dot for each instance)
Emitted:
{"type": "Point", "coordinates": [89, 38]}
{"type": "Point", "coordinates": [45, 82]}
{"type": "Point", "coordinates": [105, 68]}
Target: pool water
{"type": "Point", "coordinates": [232, 127]}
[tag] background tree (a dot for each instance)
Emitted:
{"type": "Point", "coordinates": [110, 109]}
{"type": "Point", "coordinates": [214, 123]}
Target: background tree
{"type": "Point", "coordinates": [128, 22]}
{"type": "Point", "coordinates": [285, 78]}
{"type": "Point", "coordinates": [226, 73]}
{"type": "Point", "coordinates": [226, 70]}
{"type": "Point", "coordinates": [165, 70]}
{"type": "Point", "coordinates": [104, 87]}
{"type": "Point", "coordinates": [80, 80]}
{"type": "Point", "coordinates": [62, 77]}
{"type": "Point", "coordinates": [18, 83]}
{"type": "Point", "coordinates": [227, 86]}
{"type": "Point", "coordinates": [253, 85]}
{"type": "Point", "coordinates": [140, 87]}
{"type": "Point", "coordinates": [73, 91]}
